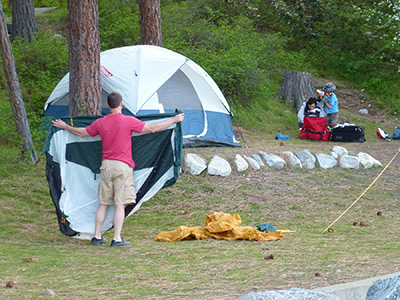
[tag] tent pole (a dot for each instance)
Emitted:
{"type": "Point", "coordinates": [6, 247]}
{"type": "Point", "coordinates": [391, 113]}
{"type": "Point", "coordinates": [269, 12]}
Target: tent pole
{"type": "Point", "coordinates": [237, 125]}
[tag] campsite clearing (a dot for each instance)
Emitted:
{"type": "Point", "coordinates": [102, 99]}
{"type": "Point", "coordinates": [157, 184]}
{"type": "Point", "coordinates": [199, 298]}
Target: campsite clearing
{"type": "Point", "coordinates": [36, 256]}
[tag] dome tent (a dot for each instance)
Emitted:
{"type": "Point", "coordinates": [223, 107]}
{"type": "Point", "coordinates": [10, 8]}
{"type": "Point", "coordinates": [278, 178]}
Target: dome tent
{"type": "Point", "coordinates": [153, 80]}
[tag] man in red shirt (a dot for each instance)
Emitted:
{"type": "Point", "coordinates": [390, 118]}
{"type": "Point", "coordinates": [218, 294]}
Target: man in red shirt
{"type": "Point", "coordinates": [116, 181]}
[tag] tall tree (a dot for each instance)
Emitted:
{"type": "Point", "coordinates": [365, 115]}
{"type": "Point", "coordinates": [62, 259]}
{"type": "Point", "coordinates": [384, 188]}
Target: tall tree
{"type": "Point", "coordinates": [14, 90]}
{"type": "Point", "coordinates": [23, 20]}
{"type": "Point", "coordinates": [150, 22]}
{"type": "Point", "coordinates": [84, 58]}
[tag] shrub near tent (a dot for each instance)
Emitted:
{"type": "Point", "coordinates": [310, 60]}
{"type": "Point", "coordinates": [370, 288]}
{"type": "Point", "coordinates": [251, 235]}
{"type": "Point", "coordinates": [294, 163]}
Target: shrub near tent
{"type": "Point", "coordinates": [153, 80]}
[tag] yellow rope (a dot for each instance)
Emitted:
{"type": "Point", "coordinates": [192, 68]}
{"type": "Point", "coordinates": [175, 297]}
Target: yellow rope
{"type": "Point", "coordinates": [72, 122]}
{"type": "Point", "coordinates": [362, 194]}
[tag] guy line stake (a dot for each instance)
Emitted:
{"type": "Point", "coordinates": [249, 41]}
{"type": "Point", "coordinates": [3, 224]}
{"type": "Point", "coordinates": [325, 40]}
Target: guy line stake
{"type": "Point", "coordinates": [362, 194]}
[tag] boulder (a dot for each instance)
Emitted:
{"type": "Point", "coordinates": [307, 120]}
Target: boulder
{"type": "Point", "coordinates": [326, 161]}
{"type": "Point", "coordinates": [340, 150]}
{"type": "Point", "coordinates": [307, 159]}
{"type": "Point", "coordinates": [219, 166]}
{"type": "Point", "coordinates": [241, 163]}
{"type": "Point", "coordinates": [292, 160]}
{"type": "Point", "coordinates": [194, 164]}
{"type": "Point", "coordinates": [349, 162]}
{"type": "Point", "coordinates": [385, 289]}
{"type": "Point", "coordinates": [253, 163]}
{"type": "Point", "coordinates": [273, 160]}
{"type": "Point", "coordinates": [292, 294]}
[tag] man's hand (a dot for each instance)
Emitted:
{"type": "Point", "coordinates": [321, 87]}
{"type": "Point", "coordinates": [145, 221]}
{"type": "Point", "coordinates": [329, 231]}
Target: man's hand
{"type": "Point", "coordinates": [59, 124]}
{"type": "Point", "coordinates": [179, 118]}
{"type": "Point", "coordinates": [74, 130]}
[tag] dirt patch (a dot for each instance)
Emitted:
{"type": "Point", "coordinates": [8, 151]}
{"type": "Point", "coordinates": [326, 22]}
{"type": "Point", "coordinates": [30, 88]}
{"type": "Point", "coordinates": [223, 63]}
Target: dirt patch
{"type": "Point", "coordinates": [353, 100]}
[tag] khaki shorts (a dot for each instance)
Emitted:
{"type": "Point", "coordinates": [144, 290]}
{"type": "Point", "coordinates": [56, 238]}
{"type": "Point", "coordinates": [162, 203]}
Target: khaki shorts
{"type": "Point", "coordinates": [116, 183]}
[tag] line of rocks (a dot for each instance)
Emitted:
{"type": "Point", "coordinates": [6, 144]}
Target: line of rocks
{"type": "Point", "coordinates": [338, 157]}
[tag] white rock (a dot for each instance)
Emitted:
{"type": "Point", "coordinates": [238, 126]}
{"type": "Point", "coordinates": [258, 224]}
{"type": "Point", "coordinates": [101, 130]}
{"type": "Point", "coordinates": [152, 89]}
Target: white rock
{"type": "Point", "coordinates": [253, 163]}
{"type": "Point", "coordinates": [307, 159]}
{"type": "Point", "coordinates": [366, 160]}
{"type": "Point", "coordinates": [219, 166]}
{"type": "Point", "coordinates": [349, 162]}
{"type": "Point", "coordinates": [340, 150]}
{"type": "Point", "coordinates": [258, 159]}
{"type": "Point", "coordinates": [273, 160]}
{"type": "Point", "coordinates": [326, 161]}
{"type": "Point", "coordinates": [292, 160]}
{"type": "Point", "coordinates": [194, 164]}
{"type": "Point", "coordinates": [241, 163]}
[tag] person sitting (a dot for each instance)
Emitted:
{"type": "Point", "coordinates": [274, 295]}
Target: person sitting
{"type": "Point", "coordinates": [310, 108]}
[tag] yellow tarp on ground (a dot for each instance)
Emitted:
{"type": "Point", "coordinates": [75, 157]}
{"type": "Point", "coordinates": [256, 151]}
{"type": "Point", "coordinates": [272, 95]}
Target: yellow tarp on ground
{"type": "Point", "coordinates": [219, 226]}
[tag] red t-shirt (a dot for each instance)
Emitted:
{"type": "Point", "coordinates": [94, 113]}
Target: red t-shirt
{"type": "Point", "coordinates": [115, 131]}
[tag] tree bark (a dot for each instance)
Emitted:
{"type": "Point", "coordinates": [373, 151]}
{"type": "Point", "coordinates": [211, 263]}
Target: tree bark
{"type": "Point", "coordinates": [150, 22]}
{"type": "Point", "coordinates": [296, 88]}
{"type": "Point", "coordinates": [23, 20]}
{"type": "Point", "coordinates": [84, 58]}
{"type": "Point", "coordinates": [14, 91]}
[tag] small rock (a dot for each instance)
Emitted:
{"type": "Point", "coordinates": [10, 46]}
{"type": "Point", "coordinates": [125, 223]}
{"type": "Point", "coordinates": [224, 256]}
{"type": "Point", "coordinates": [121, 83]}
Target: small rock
{"type": "Point", "coordinates": [28, 259]}
{"type": "Point", "coordinates": [379, 213]}
{"type": "Point", "coordinates": [264, 248]}
{"type": "Point", "coordinates": [48, 292]}
{"type": "Point", "coordinates": [362, 223]}
{"type": "Point", "coordinates": [330, 229]}
{"type": "Point", "coordinates": [355, 224]}
{"type": "Point", "coordinates": [10, 284]}
{"type": "Point", "coordinates": [318, 274]}
{"type": "Point", "coordinates": [282, 144]}
{"type": "Point", "coordinates": [269, 257]}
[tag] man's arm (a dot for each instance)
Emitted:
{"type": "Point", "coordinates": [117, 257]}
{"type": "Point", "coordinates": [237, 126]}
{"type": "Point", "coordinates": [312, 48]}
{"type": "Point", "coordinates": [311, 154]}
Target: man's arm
{"type": "Point", "coordinates": [74, 130]}
{"type": "Point", "coordinates": [160, 126]}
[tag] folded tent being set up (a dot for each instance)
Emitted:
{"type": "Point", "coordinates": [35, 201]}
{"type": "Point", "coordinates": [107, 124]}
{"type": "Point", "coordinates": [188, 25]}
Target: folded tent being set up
{"type": "Point", "coordinates": [154, 80]}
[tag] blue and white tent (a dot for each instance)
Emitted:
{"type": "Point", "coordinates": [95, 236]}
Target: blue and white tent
{"type": "Point", "coordinates": [153, 80]}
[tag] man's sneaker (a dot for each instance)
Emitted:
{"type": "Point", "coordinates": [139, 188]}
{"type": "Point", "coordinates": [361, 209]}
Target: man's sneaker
{"type": "Point", "coordinates": [96, 241]}
{"type": "Point", "coordinates": [121, 243]}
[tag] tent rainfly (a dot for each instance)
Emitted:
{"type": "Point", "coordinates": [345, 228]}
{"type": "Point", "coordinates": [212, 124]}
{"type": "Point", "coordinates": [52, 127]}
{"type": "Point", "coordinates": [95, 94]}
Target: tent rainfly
{"type": "Point", "coordinates": [73, 172]}
{"type": "Point", "coordinates": [154, 80]}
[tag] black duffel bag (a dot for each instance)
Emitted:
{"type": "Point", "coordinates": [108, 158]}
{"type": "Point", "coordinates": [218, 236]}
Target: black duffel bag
{"type": "Point", "coordinates": [348, 133]}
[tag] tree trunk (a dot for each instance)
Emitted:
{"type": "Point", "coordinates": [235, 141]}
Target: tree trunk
{"type": "Point", "coordinates": [14, 90]}
{"type": "Point", "coordinates": [23, 20]}
{"type": "Point", "coordinates": [150, 22]}
{"type": "Point", "coordinates": [296, 88]}
{"type": "Point", "coordinates": [84, 58]}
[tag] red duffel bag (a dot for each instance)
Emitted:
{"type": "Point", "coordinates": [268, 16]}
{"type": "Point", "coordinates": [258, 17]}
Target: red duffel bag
{"type": "Point", "coordinates": [315, 129]}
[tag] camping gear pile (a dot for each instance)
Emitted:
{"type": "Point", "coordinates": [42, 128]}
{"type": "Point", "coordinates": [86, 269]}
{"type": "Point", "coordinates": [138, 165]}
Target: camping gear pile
{"type": "Point", "coordinates": [73, 172]}
{"type": "Point", "coordinates": [154, 80]}
{"type": "Point", "coordinates": [220, 226]}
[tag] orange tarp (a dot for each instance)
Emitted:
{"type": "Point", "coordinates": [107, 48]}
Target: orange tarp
{"type": "Point", "coordinates": [219, 226]}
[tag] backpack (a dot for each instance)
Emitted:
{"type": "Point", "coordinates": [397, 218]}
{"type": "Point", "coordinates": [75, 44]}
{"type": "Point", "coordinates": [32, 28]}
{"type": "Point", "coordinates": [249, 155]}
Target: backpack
{"type": "Point", "coordinates": [315, 129]}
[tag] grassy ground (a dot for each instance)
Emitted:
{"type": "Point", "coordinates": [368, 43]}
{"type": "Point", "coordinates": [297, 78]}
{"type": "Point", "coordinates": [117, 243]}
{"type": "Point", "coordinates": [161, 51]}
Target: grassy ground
{"type": "Point", "coordinates": [36, 256]}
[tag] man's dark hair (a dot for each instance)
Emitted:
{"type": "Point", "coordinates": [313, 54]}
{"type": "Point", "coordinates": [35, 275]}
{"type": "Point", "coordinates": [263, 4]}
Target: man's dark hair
{"type": "Point", "coordinates": [114, 99]}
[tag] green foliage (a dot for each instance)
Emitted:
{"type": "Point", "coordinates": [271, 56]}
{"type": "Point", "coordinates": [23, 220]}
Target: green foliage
{"type": "Point", "coordinates": [40, 66]}
{"type": "Point", "coordinates": [119, 23]}
{"type": "Point", "coordinates": [240, 60]}
{"type": "Point", "coordinates": [48, 3]}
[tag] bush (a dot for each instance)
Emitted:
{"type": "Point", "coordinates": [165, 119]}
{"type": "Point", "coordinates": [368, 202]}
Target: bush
{"type": "Point", "coordinates": [118, 23]}
{"type": "Point", "coordinates": [40, 66]}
